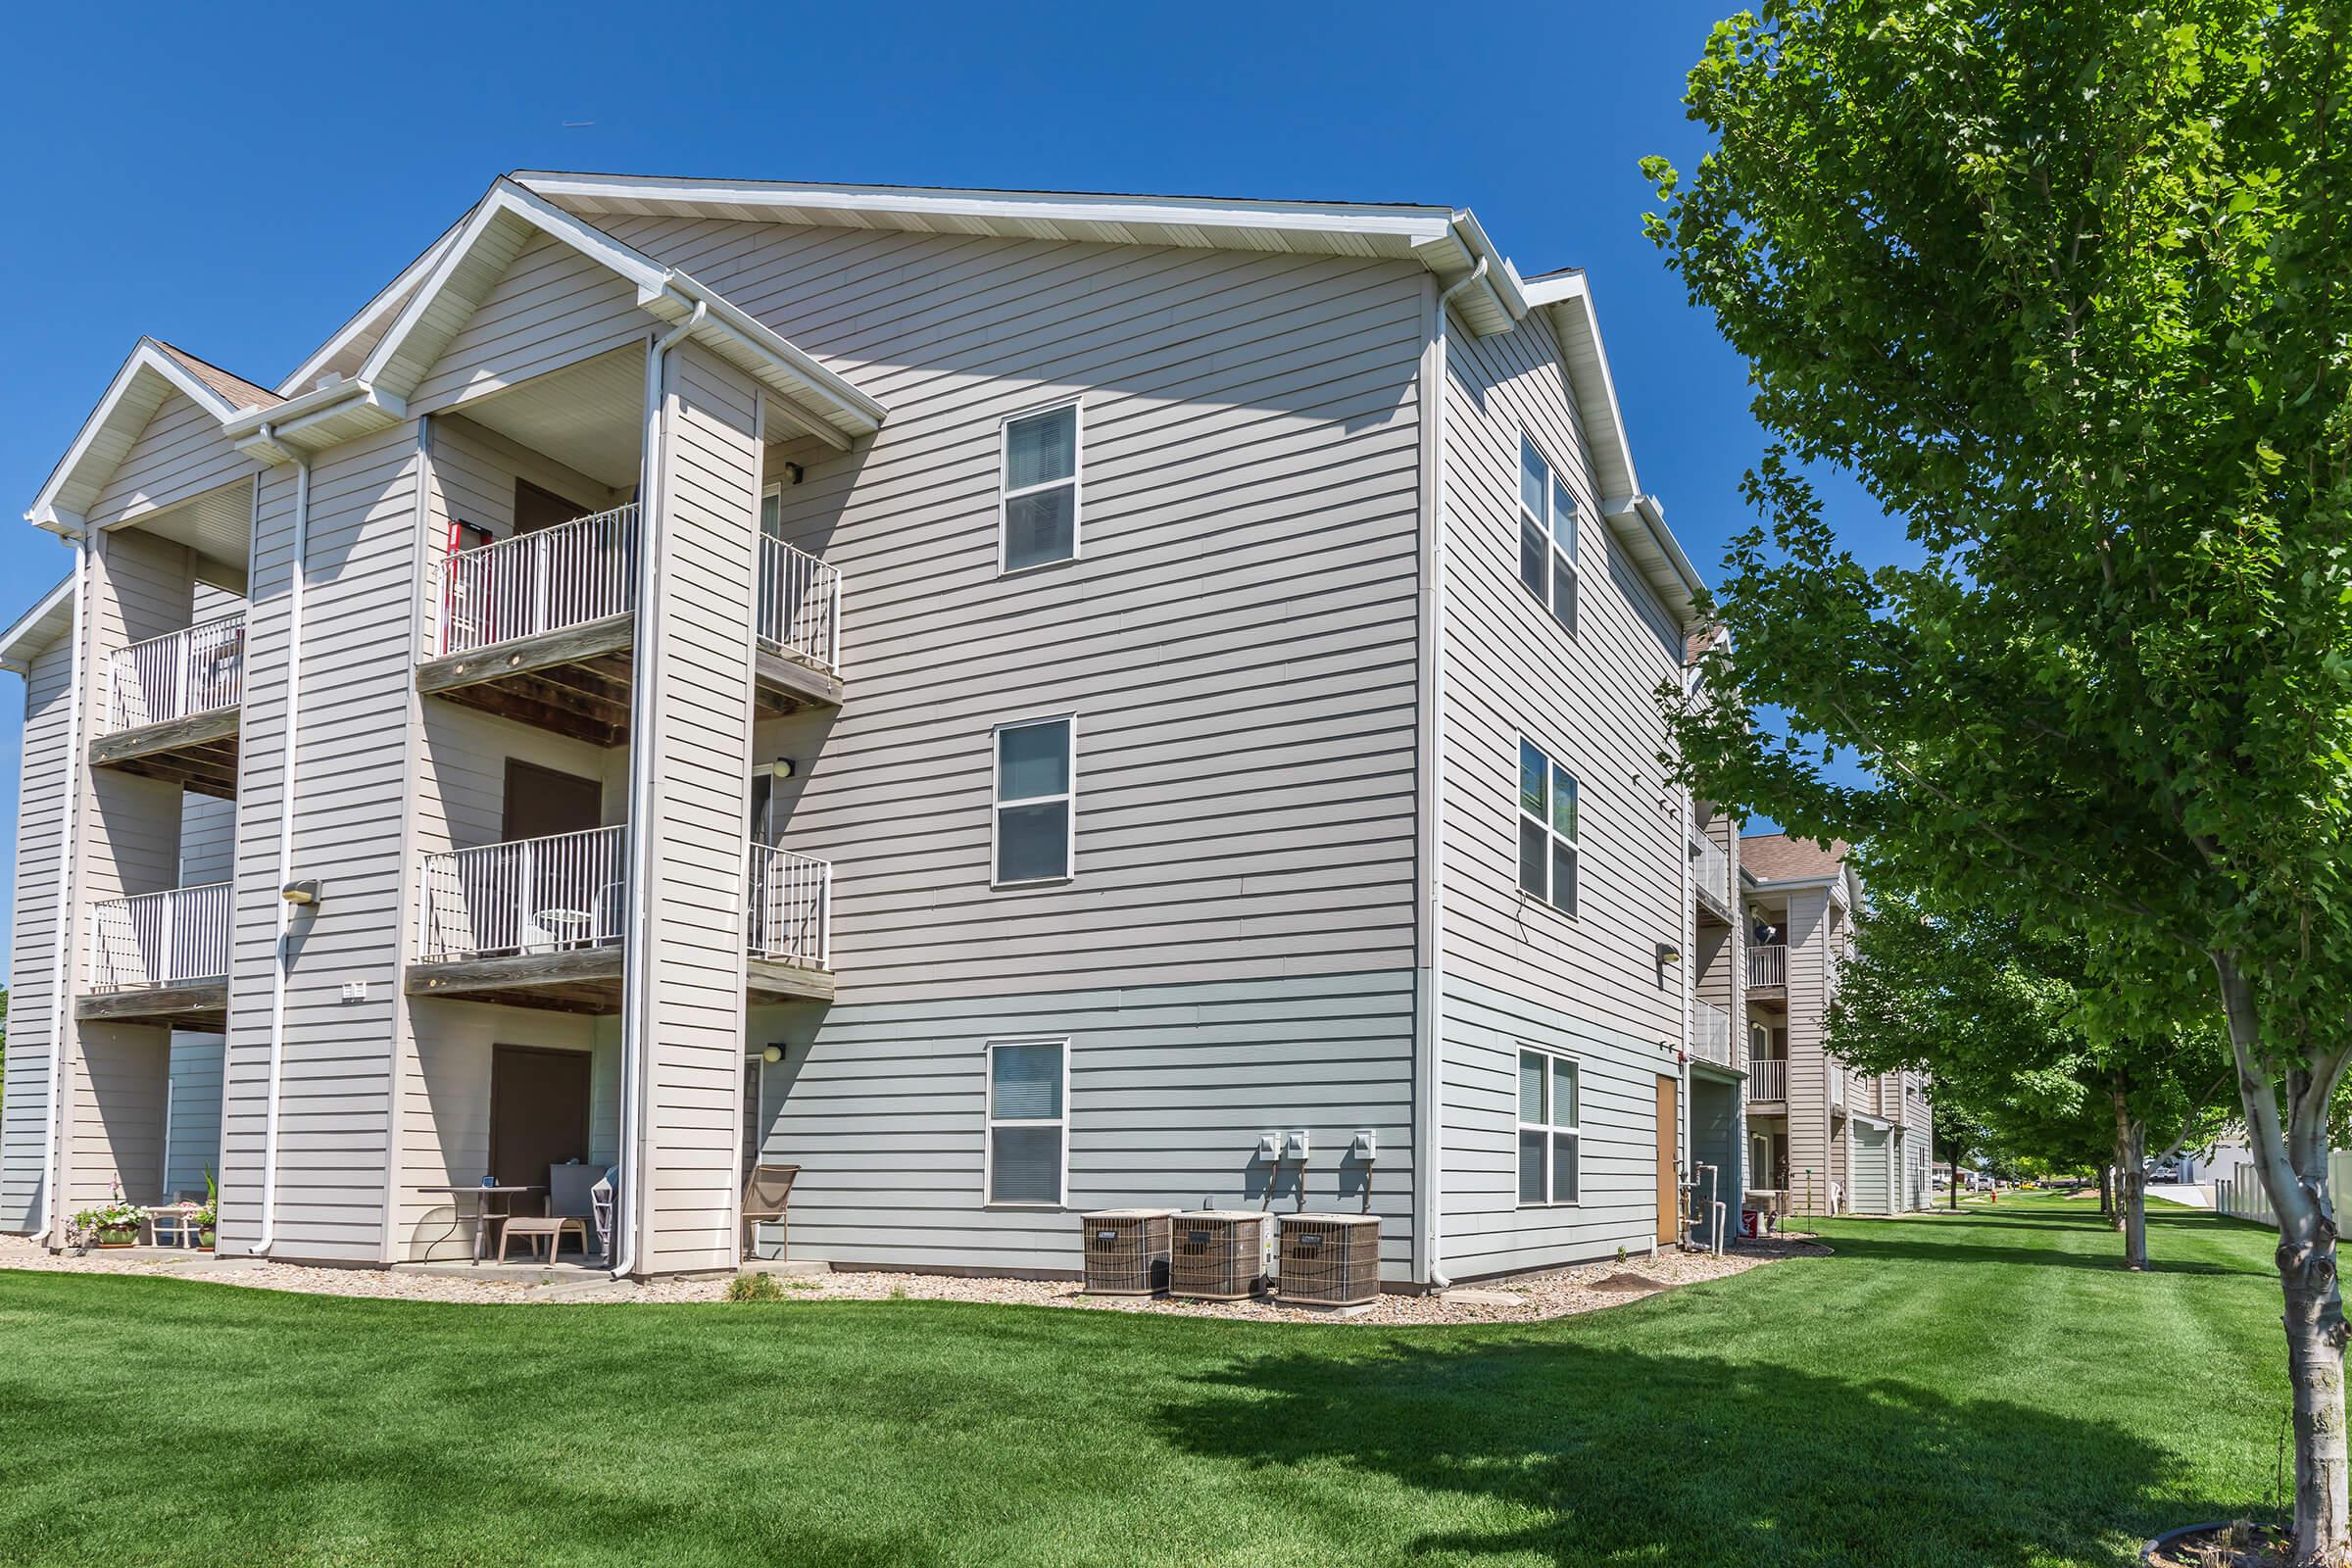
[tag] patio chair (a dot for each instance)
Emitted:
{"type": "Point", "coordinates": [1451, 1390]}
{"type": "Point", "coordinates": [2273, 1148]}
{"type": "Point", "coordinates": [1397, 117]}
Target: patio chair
{"type": "Point", "coordinates": [600, 1210]}
{"type": "Point", "coordinates": [174, 1221]}
{"type": "Point", "coordinates": [766, 1192]}
{"type": "Point", "coordinates": [570, 1192]}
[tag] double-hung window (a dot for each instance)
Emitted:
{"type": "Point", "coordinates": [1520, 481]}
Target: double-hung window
{"type": "Point", "coordinates": [1038, 482]}
{"type": "Point", "coordinates": [1547, 1128]}
{"type": "Point", "coordinates": [1036, 801]}
{"type": "Point", "coordinates": [1546, 829]}
{"type": "Point", "coordinates": [1546, 537]}
{"type": "Point", "coordinates": [1028, 1121]}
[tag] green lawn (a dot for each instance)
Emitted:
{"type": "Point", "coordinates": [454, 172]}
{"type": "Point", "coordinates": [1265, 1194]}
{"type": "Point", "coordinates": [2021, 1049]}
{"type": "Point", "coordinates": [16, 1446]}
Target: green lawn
{"type": "Point", "coordinates": [1980, 1389]}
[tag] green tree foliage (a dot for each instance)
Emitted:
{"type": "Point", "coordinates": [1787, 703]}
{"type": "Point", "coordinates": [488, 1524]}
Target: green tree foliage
{"type": "Point", "coordinates": [2005, 1023]}
{"type": "Point", "coordinates": [2065, 287]}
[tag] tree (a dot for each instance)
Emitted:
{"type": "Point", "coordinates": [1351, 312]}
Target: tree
{"type": "Point", "coordinates": [2065, 287]}
{"type": "Point", "coordinates": [2004, 1021]}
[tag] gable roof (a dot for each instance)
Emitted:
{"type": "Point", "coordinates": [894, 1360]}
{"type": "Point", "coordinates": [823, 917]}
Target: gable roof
{"type": "Point", "coordinates": [50, 618]}
{"type": "Point", "coordinates": [1778, 858]}
{"type": "Point", "coordinates": [153, 371]}
{"type": "Point", "coordinates": [233, 388]}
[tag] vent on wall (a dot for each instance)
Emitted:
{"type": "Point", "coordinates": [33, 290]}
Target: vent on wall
{"type": "Point", "coordinates": [1219, 1255]}
{"type": "Point", "coordinates": [1126, 1252]}
{"type": "Point", "coordinates": [1330, 1259]}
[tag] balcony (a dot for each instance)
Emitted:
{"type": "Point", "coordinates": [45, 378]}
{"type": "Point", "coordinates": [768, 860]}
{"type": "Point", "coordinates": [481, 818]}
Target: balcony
{"type": "Point", "coordinates": [540, 924]}
{"type": "Point", "coordinates": [160, 958]}
{"type": "Point", "coordinates": [541, 627]}
{"type": "Point", "coordinates": [171, 705]}
{"type": "Point", "coordinates": [1767, 1079]}
{"type": "Point", "coordinates": [1710, 1033]}
{"type": "Point", "coordinates": [1768, 967]}
{"type": "Point", "coordinates": [1711, 872]}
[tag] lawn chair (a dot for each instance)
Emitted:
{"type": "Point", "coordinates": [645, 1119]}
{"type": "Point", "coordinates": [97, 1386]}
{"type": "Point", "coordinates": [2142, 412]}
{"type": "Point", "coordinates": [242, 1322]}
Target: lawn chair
{"type": "Point", "coordinates": [177, 1220]}
{"type": "Point", "coordinates": [570, 1195]}
{"type": "Point", "coordinates": [766, 1192]}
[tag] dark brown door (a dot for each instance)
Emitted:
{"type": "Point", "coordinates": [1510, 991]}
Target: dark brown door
{"type": "Point", "coordinates": [538, 1113]}
{"type": "Point", "coordinates": [536, 509]}
{"type": "Point", "coordinates": [541, 801]}
{"type": "Point", "coordinates": [1670, 1187]}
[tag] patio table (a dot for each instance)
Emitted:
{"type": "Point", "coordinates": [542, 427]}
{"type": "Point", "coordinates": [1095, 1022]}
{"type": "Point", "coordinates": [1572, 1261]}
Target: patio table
{"type": "Point", "coordinates": [483, 1213]}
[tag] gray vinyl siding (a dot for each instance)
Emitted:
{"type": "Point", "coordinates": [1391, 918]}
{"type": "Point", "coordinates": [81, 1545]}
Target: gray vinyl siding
{"type": "Point", "coordinates": [181, 454]}
{"type": "Point", "coordinates": [114, 1114]}
{"type": "Point", "coordinates": [1872, 1155]}
{"type": "Point", "coordinates": [1816, 1148]}
{"type": "Point", "coordinates": [1487, 1230]}
{"type": "Point", "coordinates": [693, 926]}
{"type": "Point", "coordinates": [883, 1105]}
{"type": "Point", "coordinates": [208, 840]}
{"type": "Point", "coordinates": [195, 1106]}
{"type": "Point", "coordinates": [357, 684]}
{"type": "Point", "coordinates": [31, 996]}
{"type": "Point", "coordinates": [1237, 640]}
{"type": "Point", "coordinates": [1518, 970]}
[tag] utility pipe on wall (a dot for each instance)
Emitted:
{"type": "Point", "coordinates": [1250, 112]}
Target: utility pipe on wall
{"type": "Point", "coordinates": [53, 1213]}
{"type": "Point", "coordinates": [636, 990]}
{"type": "Point", "coordinates": [297, 576]}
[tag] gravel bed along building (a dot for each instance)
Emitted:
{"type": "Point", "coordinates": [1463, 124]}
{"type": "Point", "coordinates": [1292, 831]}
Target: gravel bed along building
{"type": "Point", "coordinates": [1524, 1298]}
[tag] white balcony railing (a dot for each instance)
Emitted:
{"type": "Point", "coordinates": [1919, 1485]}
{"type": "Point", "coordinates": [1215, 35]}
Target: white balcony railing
{"type": "Point", "coordinates": [160, 939]}
{"type": "Point", "coordinates": [1711, 867]}
{"type": "Point", "coordinates": [800, 604]}
{"type": "Point", "coordinates": [177, 675]}
{"type": "Point", "coordinates": [1767, 1078]}
{"type": "Point", "coordinates": [790, 915]}
{"type": "Point", "coordinates": [1711, 1032]}
{"type": "Point", "coordinates": [542, 581]}
{"type": "Point", "coordinates": [545, 894]}
{"type": "Point", "coordinates": [1768, 964]}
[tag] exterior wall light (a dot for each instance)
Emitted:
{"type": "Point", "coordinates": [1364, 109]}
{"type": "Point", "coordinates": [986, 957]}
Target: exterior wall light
{"type": "Point", "coordinates": [305, 894]}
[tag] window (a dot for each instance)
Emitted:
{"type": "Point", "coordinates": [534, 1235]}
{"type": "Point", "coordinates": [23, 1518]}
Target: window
{"type": "Point", "coordinates": [1028, 1124]}
{"type": "Point", "coordinates": [1546, 829]}
{"type": "Point", "coordinates": [1547, 1124]}
{"type": "Point", "coordinates": [1546, 537]}
{"type": "Point", "coordinates": [1038, 523]}
{"type": "Point", "coordinates": [1036, 803]}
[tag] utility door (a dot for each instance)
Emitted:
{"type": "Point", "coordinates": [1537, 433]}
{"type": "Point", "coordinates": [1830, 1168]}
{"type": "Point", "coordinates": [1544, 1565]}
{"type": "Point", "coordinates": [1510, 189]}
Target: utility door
{"type": "Point", "coordinates": [1670, 1187]}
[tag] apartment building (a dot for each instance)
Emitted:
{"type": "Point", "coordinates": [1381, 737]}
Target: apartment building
{"type": "Point", "coordinates": [1830, 1140]}
{"type": "Point", "coordinates": [1011, 703]}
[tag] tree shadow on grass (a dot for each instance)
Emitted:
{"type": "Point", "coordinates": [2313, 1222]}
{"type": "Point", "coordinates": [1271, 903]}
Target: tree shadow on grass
{"type": "Point", "coordinates": [1588, 1455]}
{"type": "Point", "coordinates": [1889, 1245]}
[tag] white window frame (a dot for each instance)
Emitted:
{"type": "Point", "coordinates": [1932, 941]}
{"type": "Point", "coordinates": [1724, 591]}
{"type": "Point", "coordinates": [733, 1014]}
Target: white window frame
{"type": "Point", "coordinates": [996, 803]}
{"type": "Point", "coordinates": [1552, 1130]}
{"type": "Point", "coordinates": [1575, 841]}
{"type": "Point", "coordinates": [990, 1121]}
{"type": "Point", "coordinates": [1555, 487]}
{"type": "Point", "coordinates": [1007, 495]}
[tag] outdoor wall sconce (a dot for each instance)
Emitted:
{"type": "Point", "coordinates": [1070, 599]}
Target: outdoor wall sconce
{"type": "Point", "coordinates": [303, 894]}
{"type": "Point", "coordinates": [1668, 953]}
{"type": "Point", "coordinates": [772, 1055]}
{"type": "Point", "coordinates": [780, 768]}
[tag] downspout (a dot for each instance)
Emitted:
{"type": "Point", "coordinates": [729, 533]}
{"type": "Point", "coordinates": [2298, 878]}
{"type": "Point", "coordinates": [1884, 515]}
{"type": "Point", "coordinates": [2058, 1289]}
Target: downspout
{"type": "Point", "coordinates": [61, 951]}
{"type": "Point", "coordinates": [636, 1021]}
{"type": "Point", "coordinates": [1688, 938]}
{"type": "Point", "coordinates": [284, 958]}
{"type": "Point", "coordinates": [1432, 1002]}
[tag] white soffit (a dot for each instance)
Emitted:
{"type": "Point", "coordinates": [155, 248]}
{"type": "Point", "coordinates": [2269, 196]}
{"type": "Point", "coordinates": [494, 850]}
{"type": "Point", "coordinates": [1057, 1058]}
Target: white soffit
{"type": "Point", "coordinates": [47, 621]}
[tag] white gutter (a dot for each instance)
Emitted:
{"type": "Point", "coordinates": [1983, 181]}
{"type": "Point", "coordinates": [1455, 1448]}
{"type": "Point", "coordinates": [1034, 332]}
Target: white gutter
{"type": "Point", "coordinates": [285, 839]}
{"type": "Point", "coordinates": [636, 990]}
{"type": "Point", "coordinates": [62, 950]}
{"type": "Point", "coordinates": [1434, 560]}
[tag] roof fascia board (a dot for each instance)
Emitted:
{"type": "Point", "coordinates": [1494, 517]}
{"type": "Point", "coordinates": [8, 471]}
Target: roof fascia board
{"type": "Point", "coordinates": [822, 384]}
{"type": "Point", "coordinates": [371, 313]}
{"type": "Point", "coordinates": [30, 632]}
{"type": "Point", "coordinates": [146, 357]}
{"type": "Point", "coordinates": [1415, 223]}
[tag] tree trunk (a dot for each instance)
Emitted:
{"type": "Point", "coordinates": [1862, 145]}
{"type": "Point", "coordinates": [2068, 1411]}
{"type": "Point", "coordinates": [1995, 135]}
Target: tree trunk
{"type": "Point", "coordinates": [1955, 1186]}
{"type": "Point", "coordinates": [2314, 1361]}
{"type": "Point", "coordinates": [2292, 1161]}
{"type": "Point", "coordinates": [2131, 1175]}
{"type": "Point", "coordinates": [2107, 1193]}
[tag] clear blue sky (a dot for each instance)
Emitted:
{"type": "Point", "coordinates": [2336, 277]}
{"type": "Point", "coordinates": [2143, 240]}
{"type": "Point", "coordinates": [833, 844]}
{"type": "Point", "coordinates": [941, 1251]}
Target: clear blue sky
{"type": "Point", "coordinates": [239, 187]}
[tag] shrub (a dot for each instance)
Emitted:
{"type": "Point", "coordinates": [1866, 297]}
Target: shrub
{"type": "Point", "coordinates": [754, 1288]}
